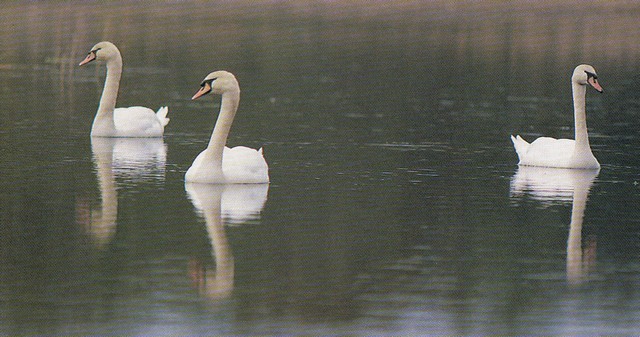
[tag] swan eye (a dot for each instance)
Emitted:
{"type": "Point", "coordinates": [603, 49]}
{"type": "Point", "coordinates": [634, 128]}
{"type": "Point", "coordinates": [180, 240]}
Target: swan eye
{"type": "Point", "coordinates": [591, 75]}
{"type": "Point", "coordinates": [209, 82]}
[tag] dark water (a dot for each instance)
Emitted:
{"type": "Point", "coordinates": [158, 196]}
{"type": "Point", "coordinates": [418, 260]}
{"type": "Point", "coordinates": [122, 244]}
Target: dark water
{"type": "Point", "coordinates": [395, 207]}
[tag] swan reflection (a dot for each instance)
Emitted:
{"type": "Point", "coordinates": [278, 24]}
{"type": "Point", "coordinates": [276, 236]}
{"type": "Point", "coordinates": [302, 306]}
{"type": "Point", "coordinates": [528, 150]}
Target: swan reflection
{"type": "Point", "coordinates": [552, 185]}
{"type": "Point", "coordinates": [131, 159]}
{"type": "Point", "coordinates": [134, 159]}
{"type": "Point", "coordinates": [220, 205]}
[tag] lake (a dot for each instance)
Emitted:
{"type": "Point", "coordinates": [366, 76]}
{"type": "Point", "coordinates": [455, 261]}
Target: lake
{"type": "Point", "coordinates": [396, 206]}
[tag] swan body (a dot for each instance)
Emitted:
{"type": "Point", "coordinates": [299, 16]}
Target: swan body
{"type": "Point", "coordinates": [218, 164]}
{"type": "Point", "coordinates": [134, 121]}
{"type": "Point", "coordinates": [565, 153]}
{"type": "Point", "coordinates": [240, 165]}
{"type": "Point", "coordinates": [551, 152]}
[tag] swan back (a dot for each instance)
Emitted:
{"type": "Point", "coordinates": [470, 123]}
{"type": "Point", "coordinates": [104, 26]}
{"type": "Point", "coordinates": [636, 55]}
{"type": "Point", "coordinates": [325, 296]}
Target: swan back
{"type": "Point", "coordinates": [139, 121]}
{"type": "Point", "coordinates": [244, 165]}
{"type": "Point", "coordinates": [240, 165]}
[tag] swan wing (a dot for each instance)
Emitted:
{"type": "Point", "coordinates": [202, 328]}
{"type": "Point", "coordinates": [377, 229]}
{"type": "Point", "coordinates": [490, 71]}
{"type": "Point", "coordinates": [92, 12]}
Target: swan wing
{"type": "Point", "coordinates": [548, 152]}
{"type": "Point", "coordinates": [138, 121]}
{"type": "Point", "coordinates": [243, 165]}
{"type": "Point", "coordinates": [161, 115]}
{"type": "Point", "coordinates": [521, 146]}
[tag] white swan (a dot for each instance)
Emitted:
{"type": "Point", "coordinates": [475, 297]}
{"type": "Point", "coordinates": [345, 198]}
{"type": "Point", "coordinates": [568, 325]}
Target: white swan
{"type": "Point", "coordinates": [218, 164]}
{"type": "Point", "coordinates": [565, 153]}
{"type": "Point", "coordinates": [135, 121]}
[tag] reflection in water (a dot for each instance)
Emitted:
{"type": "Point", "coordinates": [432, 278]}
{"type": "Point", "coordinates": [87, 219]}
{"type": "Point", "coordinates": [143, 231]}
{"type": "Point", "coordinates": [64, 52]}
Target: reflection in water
{"type": "Point", "coordinates": [131, 159]}
{"type": "Point", "coordinates": [134, 160]}
{"type": "Point", "coordinates": [551, 185]}
{"type": "Point", "coordinates": [220, 204]}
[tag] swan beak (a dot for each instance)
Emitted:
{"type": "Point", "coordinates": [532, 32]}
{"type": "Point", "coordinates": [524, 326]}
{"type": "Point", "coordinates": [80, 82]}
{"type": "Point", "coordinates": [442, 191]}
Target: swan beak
{"type": "Point", "coordinates": [90, 57]}
{"type": "Point", "coordinates": [594, 83]}
{"type": "Point", "coordinates": [206, 87]}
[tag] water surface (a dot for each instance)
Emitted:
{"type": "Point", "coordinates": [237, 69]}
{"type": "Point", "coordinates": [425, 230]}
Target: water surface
{"type": "Point", "coordinates": [395, 206]}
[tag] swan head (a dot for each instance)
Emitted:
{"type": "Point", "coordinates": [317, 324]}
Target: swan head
{"type": "Point", "coordinates": [585, 74]}
{"type": "Point", "coordinates": [103, 51]}
{"type": "Point", "coordinates": [218, 82]}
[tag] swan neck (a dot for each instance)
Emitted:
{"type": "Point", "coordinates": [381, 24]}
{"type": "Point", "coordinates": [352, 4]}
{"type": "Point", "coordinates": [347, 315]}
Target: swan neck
{"type": "Point", "coordinates": [110, 92]}
{"type": "Point", "coordinates": [580, 117]}
{"type": "Point", "coordinates": [228, 108]}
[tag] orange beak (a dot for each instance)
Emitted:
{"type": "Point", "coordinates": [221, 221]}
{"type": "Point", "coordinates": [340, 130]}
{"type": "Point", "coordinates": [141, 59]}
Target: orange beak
{"type": "Point", "coordinates": [203, 91]}
{"type": "Point", "coordinates": [594, 83]}
{"type": "Point", "coordinates": [90, 57]}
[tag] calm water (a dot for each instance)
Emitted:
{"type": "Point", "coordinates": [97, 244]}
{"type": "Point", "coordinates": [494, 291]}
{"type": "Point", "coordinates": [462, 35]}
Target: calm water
{"type": "Point", "coordinates": [395, 208]}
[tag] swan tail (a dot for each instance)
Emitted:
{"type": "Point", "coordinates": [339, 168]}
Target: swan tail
{"type": "Point", "coordinates": [162, 115]}
{"type": "Point", "coordinates": [520, 145]}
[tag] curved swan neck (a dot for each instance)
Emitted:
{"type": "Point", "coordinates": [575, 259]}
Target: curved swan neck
{"type": "Point", "coordinates": [110, 92]}
{"type": "Point", "coordinates": [228, 108]}
{"type": "Point", "coordinates": [580, 117]}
